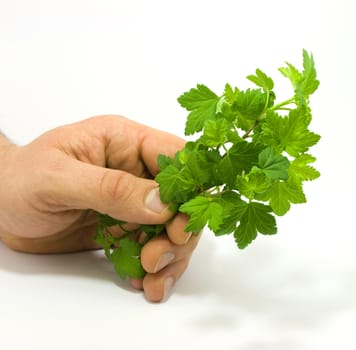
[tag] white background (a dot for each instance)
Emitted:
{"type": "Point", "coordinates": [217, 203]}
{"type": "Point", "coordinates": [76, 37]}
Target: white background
{"type": "Point", "coordinates": [62, 61]}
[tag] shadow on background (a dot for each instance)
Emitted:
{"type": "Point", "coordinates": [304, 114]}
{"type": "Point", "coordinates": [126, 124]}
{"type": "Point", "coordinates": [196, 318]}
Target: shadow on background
{"type": "Point", "coordinates": [281, 291]}
{"type": "Point", "coordinates": [264, 287]}
{"type": "Point", "coordinates": [88, 264]}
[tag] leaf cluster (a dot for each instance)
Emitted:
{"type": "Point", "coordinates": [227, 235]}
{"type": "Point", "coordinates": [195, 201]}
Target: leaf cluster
{"type": "Point", "coordinates": [250, 157]}
{"type": "Point", "coordinates": [246, 166]}
{"type": "Point", "coordinates": [124, 252]}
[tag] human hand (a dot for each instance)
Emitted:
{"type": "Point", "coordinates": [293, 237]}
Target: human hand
{"type": "Point", "coordinates": [51, 188]}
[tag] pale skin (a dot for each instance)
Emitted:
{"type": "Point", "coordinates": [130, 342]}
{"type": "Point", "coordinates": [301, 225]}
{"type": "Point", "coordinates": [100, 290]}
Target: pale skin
{"type": "Point", "coordinates": [51, 188]}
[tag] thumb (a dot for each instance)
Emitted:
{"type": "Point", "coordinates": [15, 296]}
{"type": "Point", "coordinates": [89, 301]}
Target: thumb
{"type": "Point", "coordinates": [114, 192]}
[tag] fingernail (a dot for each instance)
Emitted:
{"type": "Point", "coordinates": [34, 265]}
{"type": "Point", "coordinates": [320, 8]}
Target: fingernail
{"type": "Point", "coordinates": [153, 201]}
{"type": "Point", "coordinates": [164, 260]}
{"type": "Point", "coordinates": [189, 234]}
{"type": "Point", "coordinates": [168, 284]}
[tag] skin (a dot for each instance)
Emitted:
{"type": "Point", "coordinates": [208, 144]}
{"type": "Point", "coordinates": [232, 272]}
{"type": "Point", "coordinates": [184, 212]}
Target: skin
{"type": "Point", "coordinates": [51, 188]}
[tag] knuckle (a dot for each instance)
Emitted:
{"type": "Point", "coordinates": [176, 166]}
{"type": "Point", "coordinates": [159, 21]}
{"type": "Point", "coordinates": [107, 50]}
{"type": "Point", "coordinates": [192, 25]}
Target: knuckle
{"type": "Point", "coordinates": [115, 186]}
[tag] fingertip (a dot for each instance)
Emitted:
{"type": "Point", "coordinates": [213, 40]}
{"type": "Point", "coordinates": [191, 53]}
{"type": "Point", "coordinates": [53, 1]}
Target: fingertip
{"type": "Point", "coordinates": [153, 250]}
{"type": "Point", "coordinates": [176, 229]}
{"type": "Point", "coordinates": [156, 288]}
{"type": "Point", "coordinates": [136, 283]}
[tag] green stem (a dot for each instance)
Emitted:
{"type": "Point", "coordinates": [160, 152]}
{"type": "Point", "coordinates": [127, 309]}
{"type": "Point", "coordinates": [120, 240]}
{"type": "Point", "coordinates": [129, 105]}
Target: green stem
{"type": "Point", "coordinates": [284, 103]}
{"type": "Point", "coordinates": [267, 101]}
{"type": "Point", "coordinates": [248, 132]}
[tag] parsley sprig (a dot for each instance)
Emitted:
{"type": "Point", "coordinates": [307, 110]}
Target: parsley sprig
{"type": "Point", "coordinates": [246, 166]}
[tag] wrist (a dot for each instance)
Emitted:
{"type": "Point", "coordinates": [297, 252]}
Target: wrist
{"type": "Point", "coordinates": [5, 147]}
{"type": "Point", "coordinates": [5, 144]}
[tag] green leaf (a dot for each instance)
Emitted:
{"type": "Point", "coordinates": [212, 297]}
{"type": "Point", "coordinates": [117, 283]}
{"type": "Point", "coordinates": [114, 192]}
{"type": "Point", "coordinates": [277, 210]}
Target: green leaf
{"type": "Point", "coordinates": [244, 155]}
{"type": "Point", "coordinates": [309, 83]}
{"type": "Point", "coordinates": [227, 171]}
{"type": "Point", "coordinates": [104, 240]}
{"type": "Point", "coordinates": [175, 185]}
{"type": "Point", "coordinates": [224, 110]}
{"type": "Point", "coordinates": [202, 164]}
{"type": "Point", "coordinates": [108, 221]}
{"type": "Point", "coordinates": [253, 183]}
{"type": "Point", "coordinates": [215, 132]}
{"type": "Point", "coordinates": [249, 106]}
{"type": "Point", "coordinates": [283, 194]}
{"type": "Point", "coordinates": [153, 230]}
{"type": "Point", "coordinates": [289, 133]}
{"type": "Point", "coordinates": [295, 136]}
{"type": "Point", "coordinates": [164, 161]}
{"type": "Point", "coordinates": [262, 80]}
{"type": "Point", "coordinates": [241, 157]}
{"type": "Point", "coordinates": [300, 170]}
{"type": "Point", "coordinates": [271, 129]}
{"type": "Point", "coordinates": [256, 218]}
{"type": "Point", "coordinates": [201, 102]}
{"type": "Point", "coordinates": [203, 210]}
{"type": "Point", "coordinates": [230, 94]}
{"type": "Point", "coordinates": [293, 74]}
{"type": "Point", "coordinates": [126, 259]}
{"type": "Point", "coordinates": [234, 208]}
{"type": "Point", "coordinates": [305, 83]}
{"type": "Point", "coordinates": [274, 165]}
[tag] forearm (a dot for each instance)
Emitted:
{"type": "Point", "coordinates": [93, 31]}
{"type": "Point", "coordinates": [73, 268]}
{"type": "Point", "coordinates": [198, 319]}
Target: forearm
{"type": "Point", "coordinates": [2, 135]}
{"type": "Point", "coordinates": [3, 138]}
{"type": "Point", "coordinates": [4, 144]}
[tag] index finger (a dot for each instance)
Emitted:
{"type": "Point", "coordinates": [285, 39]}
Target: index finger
{"type": "Point", "coordinates": [141, 142]}
{"type": "Point", "coordinates": [156, 142]}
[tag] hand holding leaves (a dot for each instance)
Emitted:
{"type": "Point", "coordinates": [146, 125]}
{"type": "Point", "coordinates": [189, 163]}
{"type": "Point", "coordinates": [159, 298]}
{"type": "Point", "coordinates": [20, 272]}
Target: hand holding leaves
{"type": "Point", "coordinates": [247, 164]}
